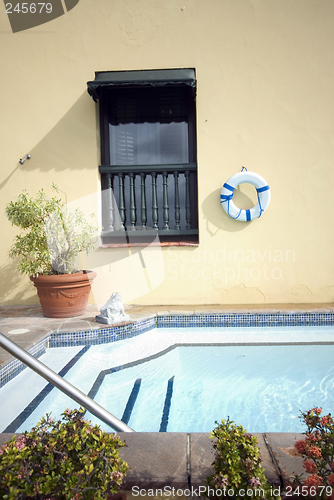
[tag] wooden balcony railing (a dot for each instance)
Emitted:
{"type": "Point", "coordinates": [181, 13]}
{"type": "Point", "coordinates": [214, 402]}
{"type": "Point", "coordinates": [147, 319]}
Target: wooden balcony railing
{"type": "Point", "coordinates": [156, 199]}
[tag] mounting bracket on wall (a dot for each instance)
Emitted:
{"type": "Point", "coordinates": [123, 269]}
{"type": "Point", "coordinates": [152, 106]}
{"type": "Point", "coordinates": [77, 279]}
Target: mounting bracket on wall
{"type": "Point", "coordinates": [26, 157]}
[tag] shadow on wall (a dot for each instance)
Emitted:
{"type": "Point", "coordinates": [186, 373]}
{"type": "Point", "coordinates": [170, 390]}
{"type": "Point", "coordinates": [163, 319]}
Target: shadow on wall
{"type": "Point", "coordinates": [217, 218]}
{"type": "Point", "coordinates": [68, 145]}
{"type": "Point", "coordinates": [10, 279]}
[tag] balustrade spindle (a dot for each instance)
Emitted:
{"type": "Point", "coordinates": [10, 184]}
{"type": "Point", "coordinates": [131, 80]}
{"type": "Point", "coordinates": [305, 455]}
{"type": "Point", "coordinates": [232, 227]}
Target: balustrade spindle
{"type": "Point", "coordinates": [155, 215]}
{"type": "Point", "coordinates": [188, 207]}
{"type": "Point", "coordinates": [121, 205]}
{"type": "Point", "coordinates": [165, 207]}
{"type": "Point", "coordinates": [133, 215]}
{"type": "Point", "coordinates": [176, 200]}
{"type": "Point", "coordinates": [143, 200]}
{"type": "Point", "coordinates": [110, 202]}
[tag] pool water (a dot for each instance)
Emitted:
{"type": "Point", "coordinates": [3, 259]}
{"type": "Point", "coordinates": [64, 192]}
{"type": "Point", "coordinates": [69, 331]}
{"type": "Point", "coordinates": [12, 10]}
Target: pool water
{"type": "Point", "coordinates": [261, 387]}
{"type": "Point", "coordinates": [183, 380]}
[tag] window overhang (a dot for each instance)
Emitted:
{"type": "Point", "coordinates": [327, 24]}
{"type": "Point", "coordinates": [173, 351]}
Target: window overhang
{"type": "Point", "coordinates": [157, 77]}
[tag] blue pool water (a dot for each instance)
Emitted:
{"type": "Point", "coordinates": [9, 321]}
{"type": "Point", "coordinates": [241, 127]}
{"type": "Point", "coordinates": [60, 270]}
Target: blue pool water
{"type": "Point", "coordinates": [187, 379]}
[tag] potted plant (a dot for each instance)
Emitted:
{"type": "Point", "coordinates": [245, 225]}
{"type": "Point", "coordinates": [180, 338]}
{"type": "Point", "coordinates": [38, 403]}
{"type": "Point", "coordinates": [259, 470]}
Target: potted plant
{"type": "Point", "coordinates": [238, 473]}
{"type": "Point", "coordinates": [68, 459]}
{"type": "Point", "coordinates": [47, 250]}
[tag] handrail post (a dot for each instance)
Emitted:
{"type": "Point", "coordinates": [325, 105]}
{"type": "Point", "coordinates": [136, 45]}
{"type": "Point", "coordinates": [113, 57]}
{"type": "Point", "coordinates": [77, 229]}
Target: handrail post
{"type": "Point", "coordinates": [110, 202]}
{"type": "Point", "coordinates": [63, 385]}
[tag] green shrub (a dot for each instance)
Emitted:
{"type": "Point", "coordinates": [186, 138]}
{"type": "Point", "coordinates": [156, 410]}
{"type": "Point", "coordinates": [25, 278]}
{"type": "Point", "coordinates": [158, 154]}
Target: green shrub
{"type": "Point", "coordinates": [238, 473]}
{"type": "Point", "coordinates": [66, 459]}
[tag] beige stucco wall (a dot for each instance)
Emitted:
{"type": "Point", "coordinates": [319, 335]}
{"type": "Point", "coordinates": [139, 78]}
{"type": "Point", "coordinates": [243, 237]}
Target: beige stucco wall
{"type": "Point", "coordinates": [265, 74]}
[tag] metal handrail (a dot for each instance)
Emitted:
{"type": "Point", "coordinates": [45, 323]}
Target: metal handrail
{"type": "Point", "coordinates": [63, 385]}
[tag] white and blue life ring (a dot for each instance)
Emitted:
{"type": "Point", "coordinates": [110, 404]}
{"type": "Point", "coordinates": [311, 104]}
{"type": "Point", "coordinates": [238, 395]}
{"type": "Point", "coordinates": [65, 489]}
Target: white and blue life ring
{"type": "Point", "coordinates": [263, 196]}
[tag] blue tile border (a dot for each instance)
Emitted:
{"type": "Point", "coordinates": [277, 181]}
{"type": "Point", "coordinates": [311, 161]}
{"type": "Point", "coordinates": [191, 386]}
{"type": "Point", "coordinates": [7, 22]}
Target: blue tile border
{"type": "Point", "coordinates": [245, 320]}
{"type": "Point", "coordinates": [109, 334]}
{"type": "Point", "coordinates": [102, 335]}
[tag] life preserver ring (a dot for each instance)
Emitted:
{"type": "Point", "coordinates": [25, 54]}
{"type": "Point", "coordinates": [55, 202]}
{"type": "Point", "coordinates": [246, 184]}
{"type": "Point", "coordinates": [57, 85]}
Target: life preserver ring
{"type": "Point", "coordinates": [263, 196]}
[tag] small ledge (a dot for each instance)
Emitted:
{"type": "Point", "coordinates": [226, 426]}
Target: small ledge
{"type": "Point", "coordinates": [153, 244]}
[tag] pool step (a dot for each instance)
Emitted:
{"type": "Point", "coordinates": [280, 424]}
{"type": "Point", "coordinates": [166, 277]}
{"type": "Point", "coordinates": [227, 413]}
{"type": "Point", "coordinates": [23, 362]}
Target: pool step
{"type": "Point", "coordinates": [133, 398]}
{"type": "Point", "coordinates": [168, 400]}
{"type": "Point", "coordinates": [131, 401]}
{"type": "Point", "coordinates": [26, 412]}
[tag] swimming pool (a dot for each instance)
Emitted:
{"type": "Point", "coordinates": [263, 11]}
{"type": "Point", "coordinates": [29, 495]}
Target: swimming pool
{"type": "Point", "coordinates": [186, 379]}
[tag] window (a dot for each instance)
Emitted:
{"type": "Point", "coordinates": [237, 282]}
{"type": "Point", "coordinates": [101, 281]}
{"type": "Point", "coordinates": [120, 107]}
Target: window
{"type": "Point", "coordinates": [148, 154]}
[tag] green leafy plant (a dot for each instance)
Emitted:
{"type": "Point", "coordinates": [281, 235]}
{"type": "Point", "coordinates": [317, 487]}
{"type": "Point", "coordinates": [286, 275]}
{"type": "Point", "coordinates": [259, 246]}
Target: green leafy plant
{"type": "Point", "coordinates": [238, 473]}
{"type": "Point", "coordinates": [52, 236]}
{"type": "Point", "coordinates": [66, 459]}
{"type": "Point", "coordinates": [317, 449]}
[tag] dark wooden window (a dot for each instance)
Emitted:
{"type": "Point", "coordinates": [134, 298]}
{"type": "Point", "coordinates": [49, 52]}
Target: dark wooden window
{"type": "Point", "coordinates": [148, 156]}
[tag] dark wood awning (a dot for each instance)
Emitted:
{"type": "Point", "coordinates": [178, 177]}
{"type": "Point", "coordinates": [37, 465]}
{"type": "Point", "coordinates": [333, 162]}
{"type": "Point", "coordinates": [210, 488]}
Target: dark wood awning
{"type": "Point", "coordinates": [156, 77]}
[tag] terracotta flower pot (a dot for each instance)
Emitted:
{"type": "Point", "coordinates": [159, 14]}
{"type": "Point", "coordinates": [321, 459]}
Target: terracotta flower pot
{"type": "Point", "coordinates": [64, 295]}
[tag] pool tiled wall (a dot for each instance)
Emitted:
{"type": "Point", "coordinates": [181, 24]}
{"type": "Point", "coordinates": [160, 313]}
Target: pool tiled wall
{"type": "Point", "coordinates": [245, 320]}
{"type": "Point", "coordinates": [102, 335]}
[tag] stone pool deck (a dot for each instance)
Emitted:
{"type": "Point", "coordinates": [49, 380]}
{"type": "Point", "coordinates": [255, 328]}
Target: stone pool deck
{"type": "Point", "coordinates": [183, 460]}
{"type": "Point", "coordinates": [158, 460]}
